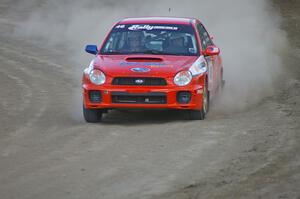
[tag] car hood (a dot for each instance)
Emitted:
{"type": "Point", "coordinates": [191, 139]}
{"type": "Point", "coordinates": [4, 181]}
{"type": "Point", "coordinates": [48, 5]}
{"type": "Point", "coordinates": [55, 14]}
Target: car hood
{"type": "Point", "coordinates": [142, 65]}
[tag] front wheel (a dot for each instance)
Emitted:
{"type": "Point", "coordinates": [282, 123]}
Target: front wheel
{"type": "Point", "coordinates": [200, 115]}
{"type": "Point", "coordinates": [92, 115]}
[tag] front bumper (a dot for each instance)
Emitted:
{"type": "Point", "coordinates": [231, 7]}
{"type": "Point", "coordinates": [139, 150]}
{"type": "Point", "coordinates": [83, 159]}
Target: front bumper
{"type": "Point", "coordinates": [144, 97]}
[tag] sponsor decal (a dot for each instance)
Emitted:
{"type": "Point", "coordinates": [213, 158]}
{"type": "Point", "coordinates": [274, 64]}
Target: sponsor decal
{"type": "Point", "coordinates": [140, 70]}
{"type": "Point", "coordinates": [149, 64]}
{"type": "Point", "coordinates": [199, 66]}
{"type": "Point", "coordinates": [120, 26]}
{"type": "Point", "coordinates": [210, 68]}
{"type": "Point", "coordinates": [149, 27]}
{"type": "Point", "coordinates": [210, 73]}
{"type": "Point", "coordinates": [91, 66]}
{"type": "Point", "coordinates": [192, 50]}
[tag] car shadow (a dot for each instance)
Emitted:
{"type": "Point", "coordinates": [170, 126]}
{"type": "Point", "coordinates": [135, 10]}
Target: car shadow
{"type": "Point", "coordinates": [136, 117]}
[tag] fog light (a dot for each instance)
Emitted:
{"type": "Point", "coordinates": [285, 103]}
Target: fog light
{"type": "Point", "coordinates": [184, 97]}
{"type": "Point", "coordinates": [95, 96]}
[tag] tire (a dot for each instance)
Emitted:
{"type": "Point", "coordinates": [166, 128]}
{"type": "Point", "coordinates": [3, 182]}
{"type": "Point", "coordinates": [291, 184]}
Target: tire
{"type": "Point", "coordinates": [92, 115]}
{"type": "Point", "coordinates": [196, 115]}
{"type": "Point", "coordinates": [201, 114]}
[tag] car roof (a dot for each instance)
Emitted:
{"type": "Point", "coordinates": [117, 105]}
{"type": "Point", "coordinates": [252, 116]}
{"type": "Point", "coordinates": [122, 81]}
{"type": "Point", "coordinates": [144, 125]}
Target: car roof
{"type": "Point", "coordinates": [158, 20]}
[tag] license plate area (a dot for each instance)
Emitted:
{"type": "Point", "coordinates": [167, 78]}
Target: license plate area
{"type": "Point", "coordinates": [139, 98]}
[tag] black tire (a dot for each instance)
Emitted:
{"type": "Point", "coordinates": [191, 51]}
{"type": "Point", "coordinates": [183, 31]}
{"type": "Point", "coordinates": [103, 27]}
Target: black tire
{"type": "Point", "coordinates": [92, 115]}
{"type": "Point", "coordinates": [201, 114]}
{"type": "Point", "coordinates": [196, 115]}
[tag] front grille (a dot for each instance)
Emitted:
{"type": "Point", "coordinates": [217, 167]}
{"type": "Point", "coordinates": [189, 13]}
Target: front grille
{"type": "Point", "coordinates": [139, 98]}
{"type": "Point", "coordinates": [139, 81]}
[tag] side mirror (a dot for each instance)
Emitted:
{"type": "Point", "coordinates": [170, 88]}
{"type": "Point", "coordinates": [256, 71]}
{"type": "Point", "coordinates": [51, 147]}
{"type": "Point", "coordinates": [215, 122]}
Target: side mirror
{"type": "Point", "coordinates": [92, 49]}
{"type": "Point", "coordinates": [211, 51]}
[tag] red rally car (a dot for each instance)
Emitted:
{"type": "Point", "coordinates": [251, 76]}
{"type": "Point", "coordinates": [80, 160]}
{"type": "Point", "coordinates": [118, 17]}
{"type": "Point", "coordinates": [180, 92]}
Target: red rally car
{"type": "Point", "coordinates": [153, 63]}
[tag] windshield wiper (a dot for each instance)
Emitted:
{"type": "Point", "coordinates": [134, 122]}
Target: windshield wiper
{"type": "Point", "coordinates": [157, 52]}
{"type": "Point", "coordinates": [176, 54]}
{"type": "Point", "coordinates": [154, 52]}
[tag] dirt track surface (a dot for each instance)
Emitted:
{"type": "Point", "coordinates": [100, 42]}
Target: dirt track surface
{"type": "Point", "coordinates": [46, 152]}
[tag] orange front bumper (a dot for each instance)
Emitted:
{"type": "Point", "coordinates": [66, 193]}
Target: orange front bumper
{"type": "Point", "coordinates": [169, 91]}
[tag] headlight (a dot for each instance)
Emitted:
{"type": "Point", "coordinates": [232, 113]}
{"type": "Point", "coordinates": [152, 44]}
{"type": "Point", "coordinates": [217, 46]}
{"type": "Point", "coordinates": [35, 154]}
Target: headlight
{"type": "Point", "coordinates": [97, 77]}
{"type": "Point", "coordinates": [183, 78]}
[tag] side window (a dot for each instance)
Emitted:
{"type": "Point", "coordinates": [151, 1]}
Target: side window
{"type": "Point", "coordinates": [207, 38]}
{"type": "Point", "coordinates": [200, 32]}
{"type": "Point", "coordinates": [204, 36]}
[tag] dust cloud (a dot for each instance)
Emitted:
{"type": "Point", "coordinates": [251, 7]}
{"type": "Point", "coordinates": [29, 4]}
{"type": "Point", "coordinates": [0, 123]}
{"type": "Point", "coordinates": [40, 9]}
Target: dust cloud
{"type": "Point", "coordinates": [247, 31]}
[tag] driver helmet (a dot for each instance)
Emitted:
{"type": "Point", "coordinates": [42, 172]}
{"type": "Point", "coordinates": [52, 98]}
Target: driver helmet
{"type": "Point", "coordinates": [177, 36]}
{"type": "Point", "coordinates": [135, 35]}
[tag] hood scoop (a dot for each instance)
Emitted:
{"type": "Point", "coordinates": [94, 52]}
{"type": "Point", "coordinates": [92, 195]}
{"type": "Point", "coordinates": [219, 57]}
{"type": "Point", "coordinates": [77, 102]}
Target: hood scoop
{"type": "Point", "coordinates": [144, 59]}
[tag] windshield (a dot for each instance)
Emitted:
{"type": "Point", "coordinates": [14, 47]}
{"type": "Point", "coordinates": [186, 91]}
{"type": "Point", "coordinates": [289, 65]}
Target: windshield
{"type": "Point", "coordinates": [162, 39]}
